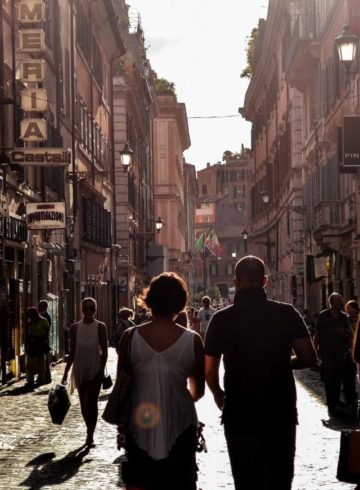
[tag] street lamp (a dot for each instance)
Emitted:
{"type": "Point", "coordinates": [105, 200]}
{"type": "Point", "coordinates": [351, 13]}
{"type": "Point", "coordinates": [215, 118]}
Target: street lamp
{"type": "Point", "coordinates": [347, 45]}
{"type": "Point", "coordinates": [159, 223]}
{"type": "Point", "coordinates": [233, 255]}
{"type": "Point", "coordinates": [265, 196]}
{"type": "Point", "coordinates": [126, 156]}
{"type": "Point", "coordinates": [245, 236]}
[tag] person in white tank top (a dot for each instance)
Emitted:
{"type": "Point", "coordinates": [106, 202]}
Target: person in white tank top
{"type": "Point", "coordinates": [167, 361]}
{"type": "Point", "coordinates": [87, 356]}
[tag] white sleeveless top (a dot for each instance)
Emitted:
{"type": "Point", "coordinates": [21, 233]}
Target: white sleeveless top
{"type": "Point", "coordinates": [162, 405]}
{"type": "Point", "coordinates": [87, 353]}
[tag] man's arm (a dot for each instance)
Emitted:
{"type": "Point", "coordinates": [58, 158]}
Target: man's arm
{"type": "Point", "coordinates": [197, 378]}
{"type": "Point", "coordinates": [212, 379]}
{"type": "Point", "coordinates": [305, 355]}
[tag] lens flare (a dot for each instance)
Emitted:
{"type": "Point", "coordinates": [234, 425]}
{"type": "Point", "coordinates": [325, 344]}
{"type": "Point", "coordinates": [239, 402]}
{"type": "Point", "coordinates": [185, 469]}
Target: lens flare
{"type": "Point", "coordinates": [147, 415]}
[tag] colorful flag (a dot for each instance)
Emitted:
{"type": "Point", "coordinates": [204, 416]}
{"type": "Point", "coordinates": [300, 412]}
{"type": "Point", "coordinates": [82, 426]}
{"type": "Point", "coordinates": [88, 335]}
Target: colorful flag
{"type": "Point", "coordinates": [213, 245]}
{"type": "Point", "coordinates": [199, 245]}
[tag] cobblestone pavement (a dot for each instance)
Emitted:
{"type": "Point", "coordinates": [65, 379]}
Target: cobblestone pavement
{"type": "Point", "coordinates": [35, 454]}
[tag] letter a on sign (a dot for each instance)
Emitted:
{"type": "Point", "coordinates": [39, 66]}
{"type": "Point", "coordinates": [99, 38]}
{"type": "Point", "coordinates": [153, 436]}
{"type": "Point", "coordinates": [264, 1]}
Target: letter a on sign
{"type": "Point", "coordinates": [33, 130]}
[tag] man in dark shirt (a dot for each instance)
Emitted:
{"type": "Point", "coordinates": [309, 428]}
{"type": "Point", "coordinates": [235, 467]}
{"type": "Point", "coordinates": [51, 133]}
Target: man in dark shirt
{"type": "Point", "coordinates": [332, 340]}
{"type": "Point", "coordinates": [256, 338]}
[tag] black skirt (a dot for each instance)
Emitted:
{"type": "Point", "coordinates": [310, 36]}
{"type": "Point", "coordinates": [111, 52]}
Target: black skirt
{"type": "Point", "coordinates": [177, 471]}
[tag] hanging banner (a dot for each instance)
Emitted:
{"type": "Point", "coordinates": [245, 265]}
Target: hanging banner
{"type": "Point", "coordinates": [354, 16]}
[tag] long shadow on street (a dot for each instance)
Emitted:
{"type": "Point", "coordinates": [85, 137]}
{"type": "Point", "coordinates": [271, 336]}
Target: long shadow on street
{"type": "Point", "coordinates": [48, 472]}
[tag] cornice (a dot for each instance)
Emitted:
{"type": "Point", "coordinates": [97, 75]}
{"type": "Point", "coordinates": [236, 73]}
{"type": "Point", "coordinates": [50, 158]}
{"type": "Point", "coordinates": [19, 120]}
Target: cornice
{"type": "Point", "coordinates": [270, 41]}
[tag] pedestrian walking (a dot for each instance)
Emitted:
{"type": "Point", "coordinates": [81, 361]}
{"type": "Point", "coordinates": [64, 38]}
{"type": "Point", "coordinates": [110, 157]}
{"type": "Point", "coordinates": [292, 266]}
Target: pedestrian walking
{"type": "Point", "coordinates": [43, 310]}
{"type": "Point", "coordinates": [256, 337]}
{"type": "Point", "coordinates": [36, 346]}
{"type": "Point", "coordinates": [88, 355]}
{"type": "Point", "coordinates": [332, 340]}
{"type": "Point", "coordinates": [195, 322]}
{"type": "Point", "coordinates": [161, 438]}
{"type": "Point", "coordinates": [205, 314]}
{"type": "Point", "coordinates": [125, 321]}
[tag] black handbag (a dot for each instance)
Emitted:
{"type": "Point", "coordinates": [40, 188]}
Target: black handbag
{"type": "Point", "coordinates": [348, 469]}
{"type": "Point", "coordinates": [118, 408]}
{"type": "Point", "coordinates": [107, 381]}
{"type": "Point", "coordinates": [58, 404]}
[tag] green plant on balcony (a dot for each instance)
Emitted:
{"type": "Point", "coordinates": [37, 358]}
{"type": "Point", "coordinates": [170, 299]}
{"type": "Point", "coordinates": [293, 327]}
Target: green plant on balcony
{"type": "Point", "coordinates": [164, 87]}
{"type": "Point", "coordinates": [248, 71]}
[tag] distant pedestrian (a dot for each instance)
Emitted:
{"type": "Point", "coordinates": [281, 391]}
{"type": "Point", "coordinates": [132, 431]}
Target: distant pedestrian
{"type": "Point", "coordinates": [161, 439]}
{"type": "Point", "coordinates": [88, 355]}
{"type": "Point", "coordinates": [332, 340]}
{"type": "Point", "coordinates": [43, 310]}
{"type": "Point", "coordinates": [195, 322]}
{"type": "Point", "coordinates": [125, 321]}
{"type": "Point", "coordinates": [36, 346]}
{"type": "Point", "coordinates": [256, 337]}
{"type": "Point", "coordinates": [352, 310]}
{"type": "Point", "coordinates": [205, 314]}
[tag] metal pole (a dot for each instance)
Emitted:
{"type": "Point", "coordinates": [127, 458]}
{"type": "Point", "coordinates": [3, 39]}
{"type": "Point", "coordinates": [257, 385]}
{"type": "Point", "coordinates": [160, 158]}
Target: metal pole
{"type": "Point", "coordinates": [204, 263]}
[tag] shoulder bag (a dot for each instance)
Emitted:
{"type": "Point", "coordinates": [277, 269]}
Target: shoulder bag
{"type": "Point", "coordinates": [118, 408]}
{"type": "Point", "coordinates": [348, 469]}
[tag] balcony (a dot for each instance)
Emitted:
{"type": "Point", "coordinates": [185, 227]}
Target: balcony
{"type": "Point", "coordinates": [302, 54]}
{"type": "Point", "coordinates": [327, 220]}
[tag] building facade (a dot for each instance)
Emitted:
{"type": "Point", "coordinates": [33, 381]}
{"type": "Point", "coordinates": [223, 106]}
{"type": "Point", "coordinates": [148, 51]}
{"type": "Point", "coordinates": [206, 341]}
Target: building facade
{"type": "Point", "coordinates": [297, 98]}
{"type": "Point", "coordinates": [223, 206]}
{"type": "Point", "coordinates": [171, 138]}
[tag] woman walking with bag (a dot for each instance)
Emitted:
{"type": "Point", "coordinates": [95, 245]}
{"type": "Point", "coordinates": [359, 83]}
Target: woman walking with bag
{"type": "Point", "coordinates": [88, 355]}
{"type": "Point", "coordinates": [164, 356]}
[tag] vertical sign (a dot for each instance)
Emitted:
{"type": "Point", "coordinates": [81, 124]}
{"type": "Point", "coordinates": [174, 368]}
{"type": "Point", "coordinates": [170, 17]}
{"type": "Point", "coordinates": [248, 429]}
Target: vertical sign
{"type": "Point", "coordinates": [351, 141]}
{"type": "Point", "coordinates": [354, 16]}
{"type": "Point", "coordinates": [32, 41]}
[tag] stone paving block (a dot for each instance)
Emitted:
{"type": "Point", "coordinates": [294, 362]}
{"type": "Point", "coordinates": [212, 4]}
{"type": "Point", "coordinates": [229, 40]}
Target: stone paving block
{"type": "Point", "coordinates": [36, 454]}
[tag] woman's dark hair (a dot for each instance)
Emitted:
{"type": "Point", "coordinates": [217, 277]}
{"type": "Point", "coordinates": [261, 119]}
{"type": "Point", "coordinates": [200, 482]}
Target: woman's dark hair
{"type": "Point", "coordinates": [167, 294]}
{"type": "Point", "coordinates": [33, 313]}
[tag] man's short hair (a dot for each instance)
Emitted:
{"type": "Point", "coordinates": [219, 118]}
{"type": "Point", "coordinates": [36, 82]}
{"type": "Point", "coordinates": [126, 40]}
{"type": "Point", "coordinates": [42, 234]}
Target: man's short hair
{"type": "Point", "coordinates": [43, 304]}
{"type": "Point", "coordinates": [206, 299]}
{"type": "Point", "coordinates": [250, 271]}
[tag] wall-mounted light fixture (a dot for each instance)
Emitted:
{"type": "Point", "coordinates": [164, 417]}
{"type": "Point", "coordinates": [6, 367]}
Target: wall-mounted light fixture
{"type": "Point", "coordinates": [347, 45]}
{"type": "Point", "coordinates": [159, 223]}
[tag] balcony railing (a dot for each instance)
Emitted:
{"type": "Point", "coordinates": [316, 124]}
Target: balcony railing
{"type": "Point", "coordinates": [327, 217]}
{"type": "Point", "coordinates": [303, 51]}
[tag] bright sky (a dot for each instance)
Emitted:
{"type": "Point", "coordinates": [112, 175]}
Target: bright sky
{"type": "Point", "coordinates": [200, 46]}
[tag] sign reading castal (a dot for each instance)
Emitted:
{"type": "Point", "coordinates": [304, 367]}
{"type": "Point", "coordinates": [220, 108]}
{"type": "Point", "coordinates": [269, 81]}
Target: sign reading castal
{"type": "Point", "coordinates": [41, 156]}
{"type": "Point", "coordinates": [45, 216]}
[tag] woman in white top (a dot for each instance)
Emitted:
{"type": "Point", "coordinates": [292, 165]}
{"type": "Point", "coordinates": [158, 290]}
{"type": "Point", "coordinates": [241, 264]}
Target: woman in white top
{"type": "Point", "coordinates": [168, 365]}
{"type": "Point", "coordinates": [88, 355]}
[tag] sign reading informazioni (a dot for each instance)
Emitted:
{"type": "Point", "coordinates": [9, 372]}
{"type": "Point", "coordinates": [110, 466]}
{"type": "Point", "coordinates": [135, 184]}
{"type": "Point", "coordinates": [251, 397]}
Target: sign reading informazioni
{"type": "Point", "coordinates": [47, 157]}
{"type": "Point", "coordinates": [45, 216]}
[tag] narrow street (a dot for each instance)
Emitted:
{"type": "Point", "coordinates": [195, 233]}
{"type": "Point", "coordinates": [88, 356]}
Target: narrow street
{"type": "Point", "coordinates": [35, 454]}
